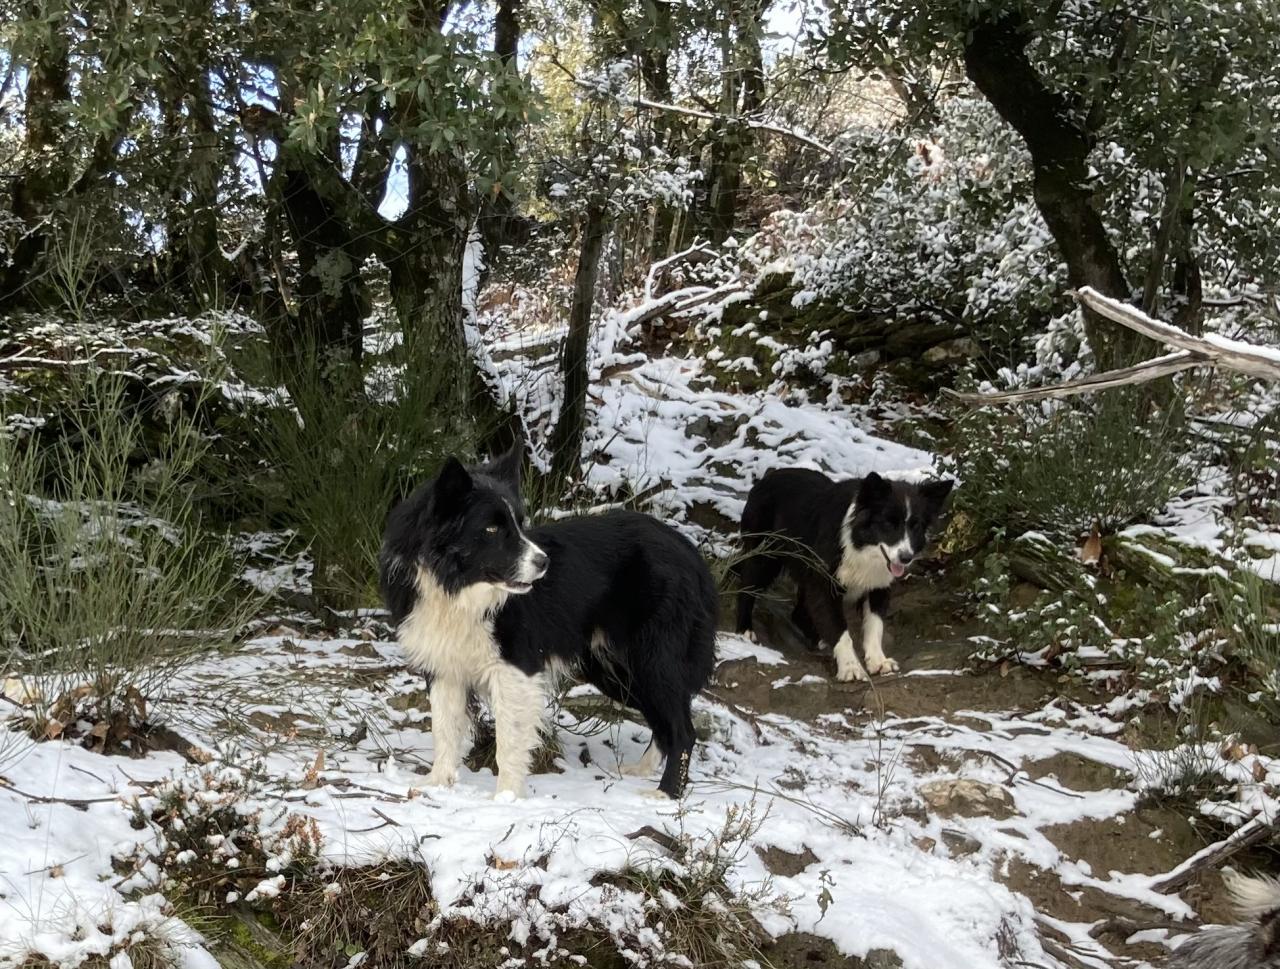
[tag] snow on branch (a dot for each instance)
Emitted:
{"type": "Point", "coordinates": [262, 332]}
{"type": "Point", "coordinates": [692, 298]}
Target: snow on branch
{"type": "Point", "coordinates": [1190, 351]}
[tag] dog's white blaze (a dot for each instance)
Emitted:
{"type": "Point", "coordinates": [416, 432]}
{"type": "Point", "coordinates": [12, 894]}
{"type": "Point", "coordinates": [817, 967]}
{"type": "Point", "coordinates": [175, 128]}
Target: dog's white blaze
{"type": "Point", "coordinates": [866, 568]}
{"type": "Point", "coordinates": [451, 638]}
{"type": "Point", "coordinates": [848, 666]}
{"type": "Point", "coordinates": [526, 571]}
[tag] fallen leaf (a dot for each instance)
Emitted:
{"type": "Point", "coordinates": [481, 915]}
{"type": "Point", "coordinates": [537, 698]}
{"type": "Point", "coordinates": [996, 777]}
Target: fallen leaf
{"type": "Point", "coordinates": [1259, 771]}
{"type": "Point", "coordinates": [53, 729]}
{"type": "Point", "coordinates": [1091, 551]}
{"type": "Point", "coordinates": [502, 864]}
{"type": "Point", "coordinates": [312, 780]}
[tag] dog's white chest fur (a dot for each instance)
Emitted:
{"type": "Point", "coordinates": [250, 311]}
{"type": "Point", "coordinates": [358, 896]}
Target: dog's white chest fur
{"type": "Point", "coordinates": [863, 568]}
{"type": "Point", "coordinates": [451, 636]}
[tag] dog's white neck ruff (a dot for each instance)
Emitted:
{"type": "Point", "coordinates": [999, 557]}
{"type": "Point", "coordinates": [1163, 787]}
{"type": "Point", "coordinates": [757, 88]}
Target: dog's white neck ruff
{"type": "Point", "coordinates": [451, 638]}
{"type": "Point", "coordinates": [866, 567]}
{"type": "Point", "coordinates": [452, 635]}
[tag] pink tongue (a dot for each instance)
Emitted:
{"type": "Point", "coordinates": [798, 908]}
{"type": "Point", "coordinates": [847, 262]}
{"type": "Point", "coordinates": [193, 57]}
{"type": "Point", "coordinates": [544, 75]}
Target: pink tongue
{"type": "Point", "coordinates": [896, 569]}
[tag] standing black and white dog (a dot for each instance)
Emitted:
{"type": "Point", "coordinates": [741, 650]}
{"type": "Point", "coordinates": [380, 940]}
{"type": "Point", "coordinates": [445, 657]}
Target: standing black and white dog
{"type": "Point", "coordinates": [483, 604]}
{"type": "Point", "coordinates": [844, 542]}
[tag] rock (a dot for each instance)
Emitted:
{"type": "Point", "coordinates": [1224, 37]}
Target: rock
{"type": "Point", "coordinates": [967, 798]}
{"type": "Point", "coordinates": [952, 350]}
{"type": "Point", "coordinates": [959, 843]}
{"type": "Point", "coordinates": [788, 864]}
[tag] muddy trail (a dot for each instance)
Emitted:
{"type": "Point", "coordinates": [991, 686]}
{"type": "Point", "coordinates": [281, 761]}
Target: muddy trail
{"type": "Point", "coordinates": [938, 687]}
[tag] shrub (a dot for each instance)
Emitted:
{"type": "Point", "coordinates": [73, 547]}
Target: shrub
{"type": "Point", "coordinates": [108, 582]}
{"type": "Point", "coordinates": [342, 450]}
{"type": "Point", "coordinates": [1064, 469]}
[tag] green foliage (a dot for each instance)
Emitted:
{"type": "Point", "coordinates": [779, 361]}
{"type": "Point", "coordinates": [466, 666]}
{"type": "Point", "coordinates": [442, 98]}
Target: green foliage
{"type": "Point", "coordinates": [1248, 617]}
{"type": "Point", "coordinates": [340, 453]}
{"type": "Point", "coordinates": [1064, 471]}
{"type": "Point", "coordinates": [109, 581]}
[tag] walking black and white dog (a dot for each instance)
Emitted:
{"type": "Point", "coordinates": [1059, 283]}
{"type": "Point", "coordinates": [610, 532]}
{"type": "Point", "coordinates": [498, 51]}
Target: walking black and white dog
{"type": "Point", "coordinates": [484, 604]}
{"type": "Point", "coordinates": [844, 542]}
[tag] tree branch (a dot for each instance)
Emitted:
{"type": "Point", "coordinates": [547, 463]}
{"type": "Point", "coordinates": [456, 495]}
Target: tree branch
{"type": "Point", "coordinates": [717, 117]}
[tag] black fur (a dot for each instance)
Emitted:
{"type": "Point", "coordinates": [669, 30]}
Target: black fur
{"type": "Point", "coordinates": [622, 575]}
{"type": "Point", "coordinates": [794, 518]}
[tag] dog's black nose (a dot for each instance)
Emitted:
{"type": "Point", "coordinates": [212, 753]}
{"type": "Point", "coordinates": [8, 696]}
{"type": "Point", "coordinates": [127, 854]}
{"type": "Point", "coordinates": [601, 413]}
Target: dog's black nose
{"type": "Point", "coordinates": [905, 556]}
{"type": "Point", "coordinates": [539, 561]}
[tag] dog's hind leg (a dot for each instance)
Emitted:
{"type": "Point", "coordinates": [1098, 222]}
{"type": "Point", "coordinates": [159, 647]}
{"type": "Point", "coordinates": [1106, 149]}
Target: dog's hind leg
{"type": "Point", "coordinates": [874, 610]}
{"type": "Point", "coordinates": [648, 763]}
{"type": "Point", "coordinates": [678, 738]}
{"type": "Point", "coordinates": [755, 574]}
{"type": "Point", "coordinates": [803, 621]}
{"type": "Point", "coordinates": [519, 705]}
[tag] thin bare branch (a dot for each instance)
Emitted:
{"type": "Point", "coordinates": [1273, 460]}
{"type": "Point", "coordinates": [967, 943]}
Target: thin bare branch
{"type": "Point", "coordinates": [1139, 374]}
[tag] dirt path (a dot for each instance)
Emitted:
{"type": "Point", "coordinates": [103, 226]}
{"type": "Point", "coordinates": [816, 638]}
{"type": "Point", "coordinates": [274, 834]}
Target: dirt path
{"type": "Point", "coordinates": [1078, 875]}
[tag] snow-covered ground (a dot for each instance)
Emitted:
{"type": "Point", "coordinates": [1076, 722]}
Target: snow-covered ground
{"type": "Point", "coordinates": [860, 801]}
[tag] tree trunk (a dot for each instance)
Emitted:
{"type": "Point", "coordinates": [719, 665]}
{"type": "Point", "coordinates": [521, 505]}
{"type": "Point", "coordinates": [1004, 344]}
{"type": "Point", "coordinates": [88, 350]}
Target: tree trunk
{"type": "Point", "coordinates": [330, 294]}
{"type": "Point", "coordinates": [429, 243]}
{"type": "Point", "coordinates": [996, 61]}
{"type": "Point", "coordinates": [498, 218]}
{"type": "Point", "coordinates": [742, 95]}
{"type": "Point", "coordinates": [566, 458]}
{"type": "Point", "coordinates": [40, 185]}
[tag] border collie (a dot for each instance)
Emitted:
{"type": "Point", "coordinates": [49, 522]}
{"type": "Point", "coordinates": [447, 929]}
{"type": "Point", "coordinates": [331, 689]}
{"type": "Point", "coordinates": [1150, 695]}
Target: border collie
{"type": "Point", "coordinates": [1253, 944]}
{"type": "Point", "coordinates": [484, 604]}
{"type": "Point", "coordinates": [844, 542]}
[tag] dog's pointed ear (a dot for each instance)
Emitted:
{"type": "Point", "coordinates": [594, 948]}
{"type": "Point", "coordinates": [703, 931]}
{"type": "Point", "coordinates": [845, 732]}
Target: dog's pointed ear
{"type": "Point", "coordinates": [453, 484]}
{"type": "Point", "coordinates": [874, 488]}
{"type": "Point", "coordinates": [506, 467]}
{"type": "Point", "coordinates": [935, 494]}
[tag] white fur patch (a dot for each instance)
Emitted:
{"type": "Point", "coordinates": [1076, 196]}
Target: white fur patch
{"type": "Point", "coordinates": [1253, 896]}
{"type": "Point", "coordinates": [873, 643]}
{"type": "Point", "coordinates": [648, 763]}
{"type": "Point", "coordinates": [848, 666]}
{"type": "Point", "coordinates": [866, 567]}
{"type": "Point", "coordinates": [451, 638]}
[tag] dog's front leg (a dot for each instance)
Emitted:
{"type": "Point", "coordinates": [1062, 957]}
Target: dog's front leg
{"type": "Point", "coordinates": [519, 702]}
{"type": "Point", "coordinates": [450, 730]}
{"type": "Point", "coordinates": [874, 610]}
{"type": "Point", "coordinates": [826, 610]}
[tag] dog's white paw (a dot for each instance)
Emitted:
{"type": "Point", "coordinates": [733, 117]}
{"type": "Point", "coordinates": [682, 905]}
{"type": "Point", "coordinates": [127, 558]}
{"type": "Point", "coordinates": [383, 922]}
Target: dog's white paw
{"type": "Point", "coordinates": [511, 791]}
{"type": "Point", "coordinates": [882, 666]}
{"type": "Point", "coordinates": [655, 795]}
{"type": "Point", "coordinates": [849, 672]}
{"type": "Point", "coordinates": [640, 769]}
{"type": "Point", "coordinates": [750, 636]}
{"type": "Point", "coordinates": [441, 777]}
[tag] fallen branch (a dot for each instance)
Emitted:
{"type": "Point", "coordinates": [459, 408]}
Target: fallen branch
{"type": "Point", "coordinates": [1215, 855]}
{"type": "Point", "coordinates": [1189, 351]}
{"type": "Point", "coordinates": [1139, 373]}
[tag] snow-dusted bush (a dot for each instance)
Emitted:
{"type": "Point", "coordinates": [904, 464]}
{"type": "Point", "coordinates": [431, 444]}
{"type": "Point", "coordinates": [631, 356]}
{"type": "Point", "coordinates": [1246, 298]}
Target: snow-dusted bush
{"type": "Point", "coordinates": [949, 234]}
